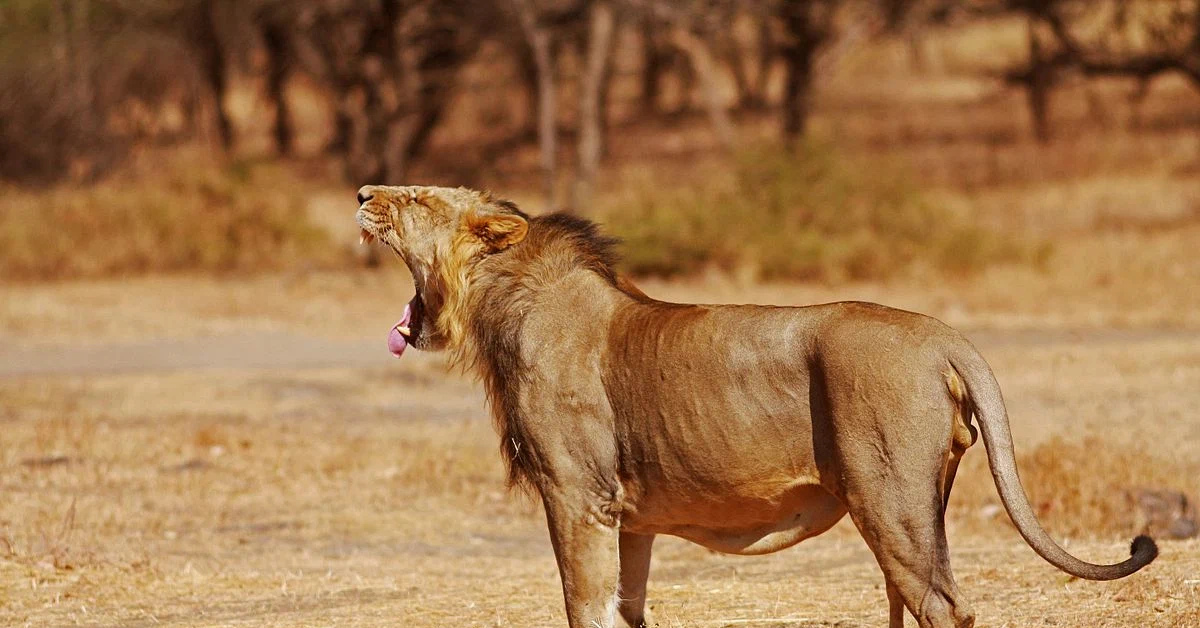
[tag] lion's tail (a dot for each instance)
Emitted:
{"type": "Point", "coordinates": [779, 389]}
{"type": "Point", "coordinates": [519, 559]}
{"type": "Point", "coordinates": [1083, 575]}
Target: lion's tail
{"type": "Point", "coordinates": [989, 410]}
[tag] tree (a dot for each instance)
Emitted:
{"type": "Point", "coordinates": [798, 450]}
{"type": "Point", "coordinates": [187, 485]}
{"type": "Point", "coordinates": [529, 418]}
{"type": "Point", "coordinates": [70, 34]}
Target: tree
{"type": "Point", "coordinates": [807, 27]}
{"type": "Point", "coordinates": [653, 64]}
{"type": "Point", "coordinates": [277, 31]}
{"type": "Point", "coordinates": [538, 36]}
{"type": "Point", "coordinates": [683, 23]}
{"type": "Point", "coordinates": [601, 26]}
{"type": "Point", "coordinates": [1133, 39]}
{"type": "Point", "coordinates": [390, 91]}
{"type": "Point", "coordinates": [207, 41]}
{"type": "Point", "coordinates": [65, 115]}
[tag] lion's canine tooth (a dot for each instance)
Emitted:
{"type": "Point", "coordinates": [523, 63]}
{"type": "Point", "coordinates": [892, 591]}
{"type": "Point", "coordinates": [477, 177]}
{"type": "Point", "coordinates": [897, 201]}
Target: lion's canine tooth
{"type": "Point", "coordinates": [404, 330]}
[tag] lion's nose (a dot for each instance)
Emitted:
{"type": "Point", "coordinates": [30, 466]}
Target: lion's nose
{"type": "Point", "coordinates": [365, 193]}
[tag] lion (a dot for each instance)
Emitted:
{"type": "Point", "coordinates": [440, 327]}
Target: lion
{"type": "Point", "coordinates": [743, 428]}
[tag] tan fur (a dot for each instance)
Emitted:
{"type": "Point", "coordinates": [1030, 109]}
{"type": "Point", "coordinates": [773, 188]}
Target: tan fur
{"type": "Point", "coordinates": [746, 429]}
{"type": "Point", "coordinates": [456, 278]}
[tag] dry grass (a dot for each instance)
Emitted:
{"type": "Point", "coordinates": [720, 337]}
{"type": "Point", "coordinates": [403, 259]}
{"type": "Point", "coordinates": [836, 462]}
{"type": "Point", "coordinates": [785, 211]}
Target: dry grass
{"type": "Point", "coordinates": [196, 217]}
{"type": "Point", "coordinates": [367, 497]}
{"type": "Point", "coordinates": [1087, 489]}
{"type": "Point", "coordinates": [375, 496]}
{"type": "Point", "coordinates": [1122, 279]}
{"type": "Point", "coordinates": [812, 214]}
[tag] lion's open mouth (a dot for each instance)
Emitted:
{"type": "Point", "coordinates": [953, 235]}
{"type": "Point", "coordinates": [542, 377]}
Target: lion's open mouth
{"type": "Point", "coordinates": [406, 329]}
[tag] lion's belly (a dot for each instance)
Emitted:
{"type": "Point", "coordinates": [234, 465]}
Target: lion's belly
{"type": "Point", "coordinates": [716, 437]}
{"type": "Point", "coordinates": [740, 523]}
{"type": "Point", "coordinates": [750, 482]}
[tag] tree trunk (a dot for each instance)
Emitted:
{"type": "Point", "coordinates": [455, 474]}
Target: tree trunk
{"type": "Point", "coordinates": [653, 61]}
{"type": "Point", "coordinates": [72, 55]}
{"type": "Point", "coordinates": [606, 83]}
{"type": "Point", "coordinates": [1038, 88]}
{"type": "Point", "coordinates": [442, 52]}
{"type": "Point", "coordinates": [805, 37]}
{"type": "Point", "coordinates": [212, 58]}
{"type": "Point", "coordinates": [539, 42]}
{"type": "Point", "coordinates": [81, 64]}
{"type": "Point", "coordinates": [766, 59]}
{"type": "Point", "coordinates": [527, 69]}
{"type": "Point", "coordinates": [732, 56]}
{"type": "Point", "coordinates": [917, 58]}
{"type": "Point", "coordinates": [601, 24]}
{"type": "Point", "coordinates": [701, 60]}
{"type": "Point", "coordinates": [378, 78]}
{"type": "Point", "coordinates": [278, 50]}
{"type": "Point", "coordinates": [343, 125]}
{"type": "Point", "coordinates": [60, 29]}
{"type": "Point", "coordinates": [719, 30]}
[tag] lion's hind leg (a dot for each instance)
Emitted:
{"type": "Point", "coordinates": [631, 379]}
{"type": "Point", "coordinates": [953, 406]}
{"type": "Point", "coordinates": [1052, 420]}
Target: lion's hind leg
{"type": "Point", "coordinates": [948, 479]}
{"type": "Point", "coordinates": [901, 519]}
{"type": "Point", "coordinates": [908, 537]}
{"type": "Point", "coordinates": [894, 480]}
{"type": "Point", "coordinates": [635, 568]}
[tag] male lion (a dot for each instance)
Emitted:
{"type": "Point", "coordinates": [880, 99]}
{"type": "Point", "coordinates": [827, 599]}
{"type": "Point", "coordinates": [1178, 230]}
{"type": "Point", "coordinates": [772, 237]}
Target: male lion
{"type": "Point", "coordinates": [743, 428]}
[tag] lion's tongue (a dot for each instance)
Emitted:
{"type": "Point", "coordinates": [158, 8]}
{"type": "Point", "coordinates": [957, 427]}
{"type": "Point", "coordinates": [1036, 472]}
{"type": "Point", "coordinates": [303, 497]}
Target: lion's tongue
{"type": "Point", "coordinates": [397, 343]}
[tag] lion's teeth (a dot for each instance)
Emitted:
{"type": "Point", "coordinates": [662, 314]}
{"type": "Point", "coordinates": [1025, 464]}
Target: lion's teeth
{"type": "Point", "coordinates": [404, 330]}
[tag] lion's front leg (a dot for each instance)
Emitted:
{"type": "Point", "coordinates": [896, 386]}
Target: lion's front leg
{"type": "Point", "coordinates": [587, 554]}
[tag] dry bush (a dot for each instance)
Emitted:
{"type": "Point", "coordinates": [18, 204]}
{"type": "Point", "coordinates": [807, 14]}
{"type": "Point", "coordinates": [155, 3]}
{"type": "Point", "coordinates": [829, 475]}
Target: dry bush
{"type": "Point", "coordinates": [82, 83]}
{"type": "Point", "coordinates": [808, 215]}
{"type": "Point", "coordinates": [213, 219]}
{"type": "Point", "coordinates": [46, 136]}
{"type": "Point", "coordinates": [1085, 489]}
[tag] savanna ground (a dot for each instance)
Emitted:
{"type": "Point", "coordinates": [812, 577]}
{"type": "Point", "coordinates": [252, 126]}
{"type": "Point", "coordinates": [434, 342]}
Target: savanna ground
{"type": "Point", "coordinates": [355, 490]}
{"type": "Point", "coordinates": [238, 449]}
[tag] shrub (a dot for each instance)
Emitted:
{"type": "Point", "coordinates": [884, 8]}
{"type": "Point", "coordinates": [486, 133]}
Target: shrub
{"type": "Point", "coordinates": [807, 215]}
{"type": "Point", "coordinates": [212, 219]}
{"type": "Point", "coordinates": [1084, 489]}
{"type": "Point", "coordinates": [83, 84]}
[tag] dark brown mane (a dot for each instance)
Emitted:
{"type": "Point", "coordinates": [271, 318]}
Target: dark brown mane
{"type": "Point", "coordinates": [595, 250]}
{"type": "Point", "coordinates": [504, 287]}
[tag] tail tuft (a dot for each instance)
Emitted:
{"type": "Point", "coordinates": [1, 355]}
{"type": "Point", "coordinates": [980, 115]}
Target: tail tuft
{"type": "Point", "coordinates": [1143, 549]}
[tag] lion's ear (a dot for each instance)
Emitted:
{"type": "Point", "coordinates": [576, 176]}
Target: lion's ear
{"type": "Point", "coordinates": [498, 231]}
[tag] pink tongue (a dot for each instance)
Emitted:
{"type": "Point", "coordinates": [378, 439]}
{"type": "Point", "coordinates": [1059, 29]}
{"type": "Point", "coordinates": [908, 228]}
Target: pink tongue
{"type": "Point", "coordinates": [397, 343]}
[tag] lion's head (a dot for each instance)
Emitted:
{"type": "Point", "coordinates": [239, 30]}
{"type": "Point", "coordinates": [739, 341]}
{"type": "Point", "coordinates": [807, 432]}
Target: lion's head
{"type": "Point", "coordinates": [441, 234]}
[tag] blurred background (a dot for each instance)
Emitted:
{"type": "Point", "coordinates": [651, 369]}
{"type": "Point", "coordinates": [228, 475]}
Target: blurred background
{"type": "Point", "coordinates": [199, 421]}
{"type": "Point", "coordinates": [849, 139]}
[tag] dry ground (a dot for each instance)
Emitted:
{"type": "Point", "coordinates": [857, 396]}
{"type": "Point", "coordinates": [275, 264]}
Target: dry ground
{"type": "Point", "coordinates": [370, 493]}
